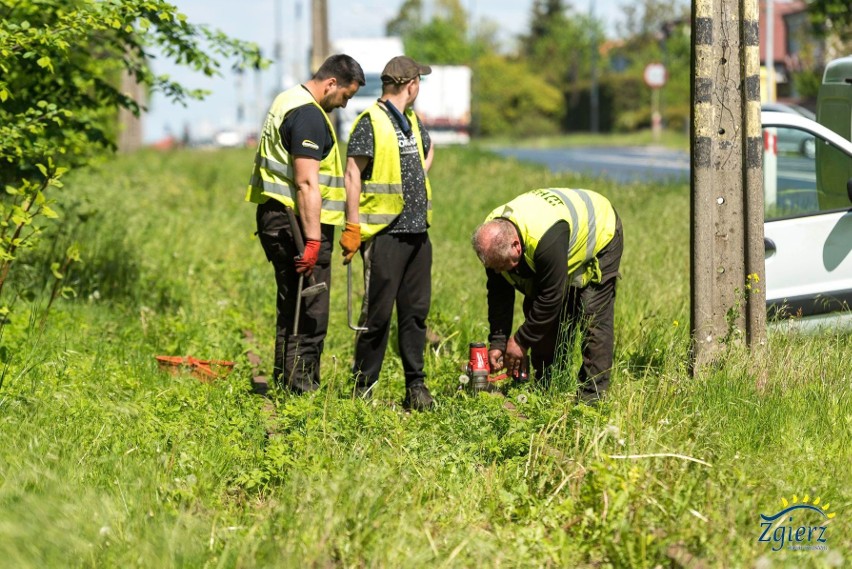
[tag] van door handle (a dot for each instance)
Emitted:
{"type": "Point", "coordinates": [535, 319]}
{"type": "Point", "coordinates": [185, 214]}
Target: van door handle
{"type": "Point", "coordinates": [769, 247]}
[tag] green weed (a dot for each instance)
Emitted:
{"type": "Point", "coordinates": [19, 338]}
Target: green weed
{"type": "Point", "coordinates": [107, 461]}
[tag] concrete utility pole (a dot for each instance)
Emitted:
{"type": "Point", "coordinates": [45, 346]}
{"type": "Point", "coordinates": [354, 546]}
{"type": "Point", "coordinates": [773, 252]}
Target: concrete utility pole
{"type": "Point", "coordinates": [770, 51]}
{"type": "Point", "coordinates": [279, 46]}
{"type": "Point", "coordinates": [319, 34]}
{"type": "Point", "coordinates": [728, 299]}
{"type": "Point", "coordinates": [130, 126]}
{"type": "Point", "coordinates": [299, 52]}
{"type": "Point", "coordinates": [594, 101]}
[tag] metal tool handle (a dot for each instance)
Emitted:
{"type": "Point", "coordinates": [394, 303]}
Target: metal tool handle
{"type": "Point", "coordinates": [349, 300]}
{"type": "Point", "coordinates": [300, 244]}
{"type": "Point", "coordinates": [295, 330]}
{"type": "Point", "coordinates": [296, 229]}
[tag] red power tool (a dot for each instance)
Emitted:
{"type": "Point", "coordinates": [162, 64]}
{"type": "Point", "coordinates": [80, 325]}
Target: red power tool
{"type": "Point", "coordinates": [479, 370]}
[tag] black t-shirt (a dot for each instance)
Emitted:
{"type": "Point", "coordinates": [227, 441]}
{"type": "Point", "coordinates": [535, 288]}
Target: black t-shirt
{"type": "Point", "coordinates": [305, 132]}
{"type": "Point", "coordinates": [362, 143]}
{"type": "Point", "coordinates": [549, 284]}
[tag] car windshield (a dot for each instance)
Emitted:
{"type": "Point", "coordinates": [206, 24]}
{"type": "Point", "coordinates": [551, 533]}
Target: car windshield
{"type": "Point", "coordinates": [803, 174]}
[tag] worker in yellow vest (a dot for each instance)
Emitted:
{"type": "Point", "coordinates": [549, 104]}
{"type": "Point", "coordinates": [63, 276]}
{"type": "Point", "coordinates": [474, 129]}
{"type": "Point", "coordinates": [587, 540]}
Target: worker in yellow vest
{"type": "Point", "coordinates": [388, 159]}
{"type": "Point", "coordinates": [561, 248]}
{"type": "Point", "coordinates": [297, 182]}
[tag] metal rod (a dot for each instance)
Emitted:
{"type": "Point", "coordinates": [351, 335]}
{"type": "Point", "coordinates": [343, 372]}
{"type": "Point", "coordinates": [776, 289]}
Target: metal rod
{"type": "Point", "coordinates": [349, 300]}
{"type": "Point", "coordinates": [295, 330]}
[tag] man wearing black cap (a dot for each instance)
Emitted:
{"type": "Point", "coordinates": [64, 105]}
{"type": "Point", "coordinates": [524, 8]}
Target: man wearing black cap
{"type": "Point", "coordinates": [388, 158]}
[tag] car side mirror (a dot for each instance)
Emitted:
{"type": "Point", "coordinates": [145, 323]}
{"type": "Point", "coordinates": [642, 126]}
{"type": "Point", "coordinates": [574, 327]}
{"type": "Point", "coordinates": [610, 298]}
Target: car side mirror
{"type": "Point", "coordinates": [849, 189]}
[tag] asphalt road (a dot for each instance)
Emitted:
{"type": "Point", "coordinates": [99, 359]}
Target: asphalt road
{"type": "Point", "coordinates": [648, 164]}
{"type": "Point", "coordinates": [620, 164]}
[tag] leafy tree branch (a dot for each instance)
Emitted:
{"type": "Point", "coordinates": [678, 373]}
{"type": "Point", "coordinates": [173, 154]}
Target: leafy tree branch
{"type": "Point", "coordinates": [61, 64]}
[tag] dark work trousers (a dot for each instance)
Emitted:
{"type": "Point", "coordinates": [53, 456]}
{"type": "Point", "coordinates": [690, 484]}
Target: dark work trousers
{"type": "Point", "coordinates": [397, 268]}
{"type": "Point", "coordinates": [300, 373]}
{"type": "Point", "coordinates": [590, 311]}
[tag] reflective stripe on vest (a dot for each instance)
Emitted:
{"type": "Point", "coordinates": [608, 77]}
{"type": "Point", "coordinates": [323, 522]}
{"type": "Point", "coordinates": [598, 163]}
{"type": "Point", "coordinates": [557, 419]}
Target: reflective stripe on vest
{"type": "Point", "coordinates": [591, 220]}
{"type": "Point", "coordinates": [386, 219]}
{"type": "Point", "coordinates": [381, 199]}
{"type": "Point", "coordinates": [272, 174]}
{"type": "Point", "coordinates": [533, 213]}
{"type": "Point", "coordinates": [286, 171]}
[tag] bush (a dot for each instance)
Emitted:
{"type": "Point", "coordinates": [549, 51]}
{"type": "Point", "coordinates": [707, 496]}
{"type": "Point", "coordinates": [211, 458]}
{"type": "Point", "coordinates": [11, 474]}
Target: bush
{"type": "Point", "coordinates": [511, 100]}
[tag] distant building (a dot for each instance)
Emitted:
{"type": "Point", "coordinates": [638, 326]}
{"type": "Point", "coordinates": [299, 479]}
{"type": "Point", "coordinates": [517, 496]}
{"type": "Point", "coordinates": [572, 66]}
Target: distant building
{"type": "Point", "coordinates": [794, 46]}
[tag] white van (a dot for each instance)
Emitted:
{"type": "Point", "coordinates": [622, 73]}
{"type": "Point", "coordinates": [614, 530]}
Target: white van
{"type": "Point", "coordinates": [372, 54]}
{"type": "Point", "coordinates": [808, 215]}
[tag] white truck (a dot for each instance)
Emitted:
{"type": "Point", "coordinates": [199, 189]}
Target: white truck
{"type": "Point", "coordinates": [808, 222]}
{"type": "Point", "coordinates": [372, 54]}
{"type": "Point", "coordinates": [444, 104]}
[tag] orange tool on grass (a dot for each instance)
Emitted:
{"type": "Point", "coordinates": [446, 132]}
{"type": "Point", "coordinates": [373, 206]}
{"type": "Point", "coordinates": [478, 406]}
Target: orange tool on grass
{"type": "Point", "coordinates": [203, 370]}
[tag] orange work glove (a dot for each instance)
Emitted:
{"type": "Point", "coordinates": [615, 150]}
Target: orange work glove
{"type": "Point", "coordinates": [350, 241]}
{"type": "Point", "coordinates": [305, 263]}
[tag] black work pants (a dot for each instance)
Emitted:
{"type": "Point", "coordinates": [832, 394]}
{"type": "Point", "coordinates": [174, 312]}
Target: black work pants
{"type": "Point", "coordinates": [590, 311]}
{"type": "Point", "coordinates": [297, 358]}
{"type": "Point", "coordinates": [397, 268]}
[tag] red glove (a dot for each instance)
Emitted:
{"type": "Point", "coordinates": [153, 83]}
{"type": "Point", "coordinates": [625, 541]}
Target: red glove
{"type": "Point", "coordinates": [305, 263]}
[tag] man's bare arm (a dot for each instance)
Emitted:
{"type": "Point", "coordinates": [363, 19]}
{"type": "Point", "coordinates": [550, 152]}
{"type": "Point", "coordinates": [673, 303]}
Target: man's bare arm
{"type": "Point", "coordinates": [428, 159]}
{"type": "Point", "coordinates": [355, 165]}
{"type": "Point", "coordinates": [308, 197]}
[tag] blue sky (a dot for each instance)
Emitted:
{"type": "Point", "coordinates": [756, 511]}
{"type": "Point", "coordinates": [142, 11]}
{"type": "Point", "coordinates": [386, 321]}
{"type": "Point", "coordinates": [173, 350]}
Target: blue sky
{"type": "Point", "coordinates": [255, 20]}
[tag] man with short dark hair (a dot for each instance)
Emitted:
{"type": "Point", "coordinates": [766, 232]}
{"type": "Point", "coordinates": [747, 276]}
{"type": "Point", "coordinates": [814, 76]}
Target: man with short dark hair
{"type": "Point", "coordinates": [298, 177]}
{"type": "Point", "coordinates": [388, 158]}
{"type": "Point", "coordinates": [561, 248]}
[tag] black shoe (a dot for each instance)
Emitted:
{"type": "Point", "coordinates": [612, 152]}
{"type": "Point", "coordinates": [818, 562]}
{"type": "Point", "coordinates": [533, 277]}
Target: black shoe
{"type": "Point", "coordinates": [364, 392]}
{"type": "Point", "coordinates": [418, 398]}
{"type": "Point", "coordinates": [590, 398]}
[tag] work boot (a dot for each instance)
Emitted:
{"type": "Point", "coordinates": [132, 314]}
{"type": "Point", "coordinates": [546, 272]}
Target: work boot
{"type": "Point", "coordinates": [418, 398]}
{"type": "Point", "coordinates": [592, 391]}
{"type": "Point", "coordinates": [364, 392]}
{"type": "Point", "coordinates": [590, 397]}
{"type": "Point", "coordinates": [301, 374]}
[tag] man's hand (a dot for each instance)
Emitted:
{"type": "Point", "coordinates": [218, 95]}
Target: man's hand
{"type": "Point", "coordinates": [305, 263]}
{"type": "Point", "coordinates": [350, 241]}
{"type": "Point", "coordinates": [514, 357]}
{"type": "Point", "coordinates": [495, 360]}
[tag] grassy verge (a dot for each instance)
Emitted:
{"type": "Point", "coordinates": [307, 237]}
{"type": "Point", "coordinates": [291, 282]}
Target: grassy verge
{"type": "Point", "coordinates": [106, 461]}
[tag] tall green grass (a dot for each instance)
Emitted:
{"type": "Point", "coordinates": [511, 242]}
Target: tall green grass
{"type": "Point", "coordinates": [108, 462]}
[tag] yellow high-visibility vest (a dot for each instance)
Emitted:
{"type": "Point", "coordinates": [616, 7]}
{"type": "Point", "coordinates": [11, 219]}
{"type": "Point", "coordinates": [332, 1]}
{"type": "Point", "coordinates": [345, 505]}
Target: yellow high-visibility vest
{"type": "Point", "coordinates": [381, 199]}
{"type": "Point", "coordinates": [591, 225]}
{"type": "Point", "coordinates": [272, 175]}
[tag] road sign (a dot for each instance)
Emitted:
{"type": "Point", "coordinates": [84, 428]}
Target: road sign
{"type": "Point", "coordinates": [655, 75]}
